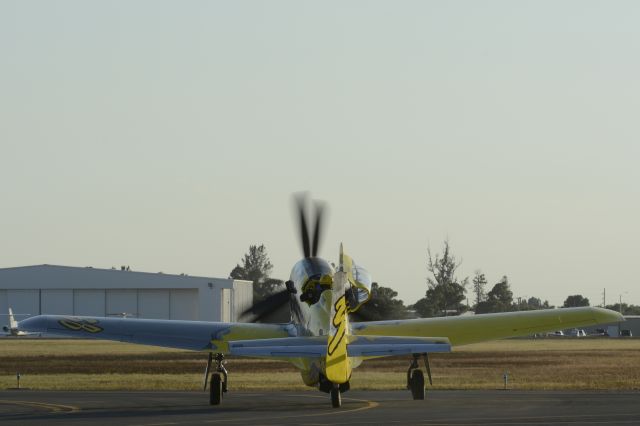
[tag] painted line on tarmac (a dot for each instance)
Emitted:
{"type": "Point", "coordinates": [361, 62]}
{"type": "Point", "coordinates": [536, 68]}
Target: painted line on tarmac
{"type": "Point", "coordinates": [55, 408]}
{"type": "Point", "coordinates": [369, 405]}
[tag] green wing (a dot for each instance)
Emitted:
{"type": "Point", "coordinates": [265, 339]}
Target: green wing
{"type": "Point", "coordinates": [462, 330]}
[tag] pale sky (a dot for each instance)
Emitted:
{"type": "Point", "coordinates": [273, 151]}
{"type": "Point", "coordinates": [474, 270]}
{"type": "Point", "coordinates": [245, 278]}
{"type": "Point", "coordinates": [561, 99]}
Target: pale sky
{"type": "Point", "coordinates": [169, 136]}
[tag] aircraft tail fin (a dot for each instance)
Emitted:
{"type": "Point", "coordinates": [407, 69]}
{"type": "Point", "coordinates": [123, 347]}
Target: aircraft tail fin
{"type": "Point", "coordinates": [13, 324]}
{"type": "Point", "coordinates": [338, 368]}
{"type": "Point", "coordinates": [12, 327]}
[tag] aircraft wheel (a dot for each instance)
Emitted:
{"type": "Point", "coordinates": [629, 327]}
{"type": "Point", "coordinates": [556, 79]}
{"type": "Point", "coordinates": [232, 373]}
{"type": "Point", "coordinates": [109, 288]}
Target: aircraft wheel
{"type": "Point", "coordinates": [417, 384]}
{"type": "Point", "coordinates": [336, 399]}
{"type": "Point", "coordinates": [215, 389]}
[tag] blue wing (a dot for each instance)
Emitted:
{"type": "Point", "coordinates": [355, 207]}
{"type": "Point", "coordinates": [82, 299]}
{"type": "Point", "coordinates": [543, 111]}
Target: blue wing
{"type": "Point", "coordinates": [192, 335]}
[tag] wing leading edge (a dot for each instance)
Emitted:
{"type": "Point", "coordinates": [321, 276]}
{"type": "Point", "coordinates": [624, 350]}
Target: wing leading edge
{"type": "Point", "coordinates": [381, 337]}
{"type": "Point", "coordinates": [462, 330]}
{"type": "Point", "coordinates": [192, 335]}
{"type": "Point", "coordinates": [357, 346]}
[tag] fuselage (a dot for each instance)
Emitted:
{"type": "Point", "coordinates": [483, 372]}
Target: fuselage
{"type": "Point", "coordinates": [310, 310]}
{"type": "Point", "coordinates": [312, 279]}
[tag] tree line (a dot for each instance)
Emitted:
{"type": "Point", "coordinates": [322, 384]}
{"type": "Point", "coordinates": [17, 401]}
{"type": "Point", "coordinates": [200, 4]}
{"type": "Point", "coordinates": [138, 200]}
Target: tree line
{"type": "Point", "coordinates": [445, 294]}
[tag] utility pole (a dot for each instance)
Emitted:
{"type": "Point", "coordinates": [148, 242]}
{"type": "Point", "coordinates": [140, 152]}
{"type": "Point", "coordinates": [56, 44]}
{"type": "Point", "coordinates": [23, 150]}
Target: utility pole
{"type": "Point", "coordinates": [620, 306]}
{"type": "Point", "coordinates": [604, 297]}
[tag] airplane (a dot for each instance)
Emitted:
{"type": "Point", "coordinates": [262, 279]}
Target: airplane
{"type": "Point", "coordinates": [321, 340]}
{"type": "Point", "coordinates": [11, 329]}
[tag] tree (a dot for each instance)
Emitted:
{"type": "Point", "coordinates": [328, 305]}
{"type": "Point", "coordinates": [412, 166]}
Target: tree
{"type": "Point", "coordinates": [479, 281]}
{"type": "Point", "coordinates": [423, 308]}
{"type": "Point", "coordinates": [535, 303]}
{"type": "Point", "coordinates": [499, 299]}
{"type": "Point", "coordinates": [446, 291]}
{"type": "Point", "coordinates": [256, 268]}
{"type": "Point", "coordinates": [575, 301]}
{"type": "Point", "coordinates": [625, 309]}
{"type": "Point", "coordinates": [382, 305]}
{"type": "Point", "coordinates": [532, 304]}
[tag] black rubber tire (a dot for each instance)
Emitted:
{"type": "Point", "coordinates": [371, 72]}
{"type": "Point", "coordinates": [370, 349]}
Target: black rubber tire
{"type": "Point", "coordinates": [417, 384]}
{"type": "Point", "coordinates": [336, 399]}
{"type": "Point", "coordinates": [215, 389]}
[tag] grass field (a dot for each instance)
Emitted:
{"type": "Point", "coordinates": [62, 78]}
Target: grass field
{"type": "Point", "coordinates": [532, 364]}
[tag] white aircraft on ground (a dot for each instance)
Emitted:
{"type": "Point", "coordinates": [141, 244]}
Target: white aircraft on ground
{"type": "Point", "coordinates": [11, 329]}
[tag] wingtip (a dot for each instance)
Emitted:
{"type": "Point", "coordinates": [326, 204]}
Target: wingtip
{"type": "Point", "coordinates": [607, 315]}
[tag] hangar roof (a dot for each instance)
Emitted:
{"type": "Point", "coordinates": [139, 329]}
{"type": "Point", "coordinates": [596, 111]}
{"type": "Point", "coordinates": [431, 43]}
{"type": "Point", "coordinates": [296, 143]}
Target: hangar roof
{"type": "Point", "coordinates": [56, 276]}
{"type": "Point", "coordinates": [91, 268]}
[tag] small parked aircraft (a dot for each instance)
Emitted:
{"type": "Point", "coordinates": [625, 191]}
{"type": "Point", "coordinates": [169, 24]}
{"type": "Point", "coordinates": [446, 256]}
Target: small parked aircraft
{"type": "Point", "coordinates": [11, 329]}
{"type": "Point", "coordinates": [320, 340]}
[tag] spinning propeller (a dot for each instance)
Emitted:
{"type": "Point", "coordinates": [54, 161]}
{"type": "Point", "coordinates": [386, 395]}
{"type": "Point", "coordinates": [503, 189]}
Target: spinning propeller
{"type": "Point", "coordinates": [275, 302]}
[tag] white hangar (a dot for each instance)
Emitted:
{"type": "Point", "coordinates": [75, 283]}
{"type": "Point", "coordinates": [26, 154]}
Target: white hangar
{"type": "Point", "coordinates": [64, 290]}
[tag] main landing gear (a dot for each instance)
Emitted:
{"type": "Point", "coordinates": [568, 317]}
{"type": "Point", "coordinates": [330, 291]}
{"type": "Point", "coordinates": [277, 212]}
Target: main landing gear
{"type": "Point", "coordinates": [218, 382]}
{"type": "Point", "coordinates": [415, 377]}
{"type": "Point", "coordinates": [334, 390]}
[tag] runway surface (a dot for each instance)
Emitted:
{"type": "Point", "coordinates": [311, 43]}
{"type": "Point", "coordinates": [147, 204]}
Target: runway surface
{"type": "Point", "coordinates": [313, 408]}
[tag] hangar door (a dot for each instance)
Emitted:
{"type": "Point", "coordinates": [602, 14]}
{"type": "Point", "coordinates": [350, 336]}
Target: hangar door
{"type": "Point", "coordinates": [226, 305]}
{"type": "Point", "coordinates": [23, 303]}
{"type": "Point", "coordinates": [56, 302]}
{"type": "Point", "coordinates": [180, 304]}
{"type": "Point", "coordinates": [184, 304]}
{"type": "Point", "coordinates": [89, 302]}
{"type": "Point", "coordinates": [154, 304]}
{"type": "Point", "coordinates": [122, 302]}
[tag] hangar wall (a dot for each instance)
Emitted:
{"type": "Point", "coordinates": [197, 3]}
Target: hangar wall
{"type": "Point", "coordinates": [143, 303]}
{"type": "Point", "coordinates": [62, 290]}
{"type": "Point", "coordinates": [632, 323]}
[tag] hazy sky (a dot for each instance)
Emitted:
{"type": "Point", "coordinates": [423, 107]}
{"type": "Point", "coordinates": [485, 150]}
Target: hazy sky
{"type": "Point", "coordinates": [169, 136]}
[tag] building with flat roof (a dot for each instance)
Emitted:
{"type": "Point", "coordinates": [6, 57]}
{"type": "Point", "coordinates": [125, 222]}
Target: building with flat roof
{"type": "Point", "coordinates": [65, 290]}
{"type": "Point", "coordinates": [630, 324]}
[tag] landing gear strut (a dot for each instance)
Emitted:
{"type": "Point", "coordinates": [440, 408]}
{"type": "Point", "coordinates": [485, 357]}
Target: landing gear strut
{"type": "Point", "coordinates": [333, 389]}
{"type": "Point", "coordinates": [415, 376]}
{"type": "Point", "coordinates": [218, 383]}
{"type": "Point", "coordinates": [336, 399]}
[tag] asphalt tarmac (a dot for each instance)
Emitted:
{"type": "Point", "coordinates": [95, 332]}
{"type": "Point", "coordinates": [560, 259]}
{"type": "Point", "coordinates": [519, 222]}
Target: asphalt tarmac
{"type": "Point", "coordinates": [509, 407]}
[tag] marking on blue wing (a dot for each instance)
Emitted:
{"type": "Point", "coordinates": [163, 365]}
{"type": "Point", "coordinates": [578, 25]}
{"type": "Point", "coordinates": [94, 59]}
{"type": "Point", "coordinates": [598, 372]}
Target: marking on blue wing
{"type": "Point", "coordinates": [219, 335]}
{"type": "Point", "coordinates": [80, 324]}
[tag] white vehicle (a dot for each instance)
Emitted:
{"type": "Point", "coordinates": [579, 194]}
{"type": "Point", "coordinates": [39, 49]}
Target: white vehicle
{"type": "Point", "coordinates": [578, 332]}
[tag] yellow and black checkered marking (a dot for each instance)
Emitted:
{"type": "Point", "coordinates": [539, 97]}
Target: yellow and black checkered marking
{"type": "Point", "coordinates": [76, 324]}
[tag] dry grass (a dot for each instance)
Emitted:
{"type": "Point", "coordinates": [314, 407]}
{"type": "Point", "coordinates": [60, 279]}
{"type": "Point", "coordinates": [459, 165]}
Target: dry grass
{"type": "Point", "coordinates": [191, 382]}
{"type": "Point", "coordinates": [532, 364]}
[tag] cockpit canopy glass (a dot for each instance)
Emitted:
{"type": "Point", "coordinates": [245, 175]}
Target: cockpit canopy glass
{"type": "Point", "coordinates": [312, 276]}
{"type": "Point", "coordinates": [361, 285]}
